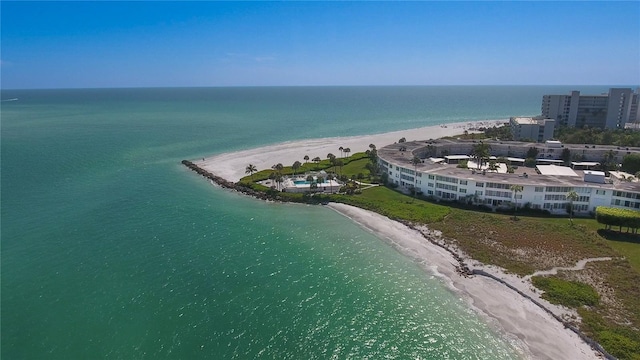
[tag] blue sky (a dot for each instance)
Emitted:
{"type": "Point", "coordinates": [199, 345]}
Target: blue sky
{"type": "Point", "coordinates": [149, 44]}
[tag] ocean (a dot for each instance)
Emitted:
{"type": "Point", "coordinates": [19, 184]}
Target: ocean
{"type": "Point", "coordinates": [112, 249]}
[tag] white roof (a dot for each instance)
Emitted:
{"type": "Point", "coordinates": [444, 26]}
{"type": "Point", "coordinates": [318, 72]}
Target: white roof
{"type": "Point", "coordinates": [585, 163]}
{"type": "Point", "coordinates": [436, 160]}
{"type": "Point", "coordinates": [593, 172]}
{"type": "Point", "coordinates": [525, 120]}
{"type": "Point", "coordinates": [515, 159]}
{"type": "Point", "coordinates": [456, 157]}
{"type": "Point", "coordinates": [549, 161]}
{"type": "Point", "coordinates": [556, 170]}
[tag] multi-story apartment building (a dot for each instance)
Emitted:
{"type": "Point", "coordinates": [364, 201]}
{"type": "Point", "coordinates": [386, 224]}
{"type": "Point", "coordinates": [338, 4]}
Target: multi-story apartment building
{"type": "Point", "coordinates": [613, 110]}
{"type": "Point", "coordinates": [544, 187]}
{"type": "Point", "coordinates": [533, 129]}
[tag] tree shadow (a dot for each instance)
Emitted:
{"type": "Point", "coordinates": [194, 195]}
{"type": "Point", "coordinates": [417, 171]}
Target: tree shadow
{"type": "Point", "coordinates": [619, 236]}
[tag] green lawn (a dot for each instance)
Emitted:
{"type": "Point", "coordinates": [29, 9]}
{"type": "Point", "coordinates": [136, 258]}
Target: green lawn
{"type": "Point", "coordinates": [395, 205]}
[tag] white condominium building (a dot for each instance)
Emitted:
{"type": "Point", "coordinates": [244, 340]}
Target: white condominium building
{"type": "Point", "coordinates": [544, 187]}
{"type": "Point", "coordinates": [607, 111]}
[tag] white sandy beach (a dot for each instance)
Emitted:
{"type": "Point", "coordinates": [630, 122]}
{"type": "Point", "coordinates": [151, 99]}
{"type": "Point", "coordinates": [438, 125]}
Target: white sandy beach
{"type": "Point", "coordinates": [231, 166]}
{"type": "Point", "coordinates": [537, 333]}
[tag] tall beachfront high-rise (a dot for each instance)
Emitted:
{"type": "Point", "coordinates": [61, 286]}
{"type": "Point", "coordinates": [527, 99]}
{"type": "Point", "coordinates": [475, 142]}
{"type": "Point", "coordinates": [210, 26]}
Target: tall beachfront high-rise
{"type": "Point", "coordinates": [613, 110]}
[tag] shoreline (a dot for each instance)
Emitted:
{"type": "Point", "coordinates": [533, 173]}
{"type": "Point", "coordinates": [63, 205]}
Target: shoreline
{"type": "Point", "coordinates": [231, 166]}
{"type": "Point", "coordinates": [539, 334]}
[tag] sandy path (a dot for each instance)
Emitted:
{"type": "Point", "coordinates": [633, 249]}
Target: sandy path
{"type": "Point", "coordinates": [231, 166]}
{"type": "Point", "coordinates": [538, 333]}
{"type": "Point", "coordinates": [579, 266]}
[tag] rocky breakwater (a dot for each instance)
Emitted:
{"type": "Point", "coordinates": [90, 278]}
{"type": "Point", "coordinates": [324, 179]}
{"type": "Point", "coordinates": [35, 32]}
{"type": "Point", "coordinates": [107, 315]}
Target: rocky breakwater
{"type": "Point", "coordinates": [240, 187]}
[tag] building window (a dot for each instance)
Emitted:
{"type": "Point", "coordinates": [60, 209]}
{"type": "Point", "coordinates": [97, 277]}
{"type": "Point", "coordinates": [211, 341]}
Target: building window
{"type": "Point", "coordinates": [479, 184]}
{"type": "Point", "coordinates": [539, 188]}
{"type": "Point", "coordinates": [463, 182]}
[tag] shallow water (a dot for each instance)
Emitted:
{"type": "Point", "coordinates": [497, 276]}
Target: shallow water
{"type": "Point", "coordinates": [112, 249]}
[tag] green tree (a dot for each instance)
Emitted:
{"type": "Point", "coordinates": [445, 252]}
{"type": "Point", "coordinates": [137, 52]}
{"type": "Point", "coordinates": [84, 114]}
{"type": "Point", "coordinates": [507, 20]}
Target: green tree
{"type": "Point", "coordinates": [277, 176]}
{"type": "Point", "coordinates": [296, 165]}
{"type": "Point", "coordinates": [373, 154]}
{"type": "Point", "coordinates": [533, 152]}
{"type": "Point", "coordinates": [339, 163]}
{"type": "Point", "coordinates": [306, 158]}
{"type": "Point", "coordinates": [631, 163]}
{"type": "Point", "coordinates": [341, 149]}
{"type": "Point", "coordinates": [346, 151]}
{"type": "Point", "coordinates": [332, 160]}
{"type": "Point", "coordinates": [515, 189]}
{"type": "Point", "coordinates": [250, 169]}
{"type": "Point", "coordinates": [493, 165]}
{"type": "Point", "coordinates": [571, 196]}
{"type": "Point", "coordinates": [317, 161]}
{"type": "Point", "coordinates": [480, 151]}
{"type": "Point", "coordinates": [608, 162]}
{"type": "Point", "coordinates": [330, 177]}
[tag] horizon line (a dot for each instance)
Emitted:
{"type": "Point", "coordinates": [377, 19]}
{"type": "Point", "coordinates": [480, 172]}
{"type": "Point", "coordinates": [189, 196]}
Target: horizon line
{"type": "Point", "coordinates": [310, 86]}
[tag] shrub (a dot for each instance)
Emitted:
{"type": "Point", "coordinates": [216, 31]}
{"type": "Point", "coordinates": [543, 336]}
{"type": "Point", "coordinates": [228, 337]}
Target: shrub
{"type": "Point", "coordinates": [568, 293]}
{"type": "Point", "coordinates": [618, 217]}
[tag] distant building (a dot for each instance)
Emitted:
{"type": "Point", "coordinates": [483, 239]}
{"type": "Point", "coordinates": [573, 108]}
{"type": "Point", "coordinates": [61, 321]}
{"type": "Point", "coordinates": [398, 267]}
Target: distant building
{"type": "Point", "coordinates": [606, 111]}
{"type": "Point", "coordinates": [532, 129]}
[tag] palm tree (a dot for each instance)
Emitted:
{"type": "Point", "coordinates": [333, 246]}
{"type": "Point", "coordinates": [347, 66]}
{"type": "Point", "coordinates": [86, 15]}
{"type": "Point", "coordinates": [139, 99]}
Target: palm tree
{"type": "Point", "coordinates": [515, 189]}
{"type": "Point", "coordinates": [346, 151]}
{"type": "Point", "coordinates": [340, 148]}
{"type": "Point", "coordinates": [493, 165]}
{"type": "Point", "coordinates": [312, 183]}
{"type": "Point", "coordinates": [250, 169]}
{"type": "Point", "coordinates": [329, 178]}
{"type": "Point", "coordinates": [277, 176]}
{"type": "Point", "coordinates": [317, 161]}
{"type": "Point", "coordinates": [332, 160]}
{"type": "Point", "coordinates": [415, 161]}
{"type": "Point", "coordinates": [480, 152]}
{"type": "Point", "coordinates": [571, 196]}
{"type": "Point", "coordinates": [339, 163]}
{"type": "Point", "coordinates": [296, 165]}
{"type": "Point", "coordinates": [279, 180]}
{"type": "Point", "coordinates": [306, 158]}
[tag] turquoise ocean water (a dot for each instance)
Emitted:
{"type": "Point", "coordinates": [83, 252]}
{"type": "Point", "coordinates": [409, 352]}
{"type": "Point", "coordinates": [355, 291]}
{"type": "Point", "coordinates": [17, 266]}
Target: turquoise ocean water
{"type": "Point", "coordinates": [112, 249]}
